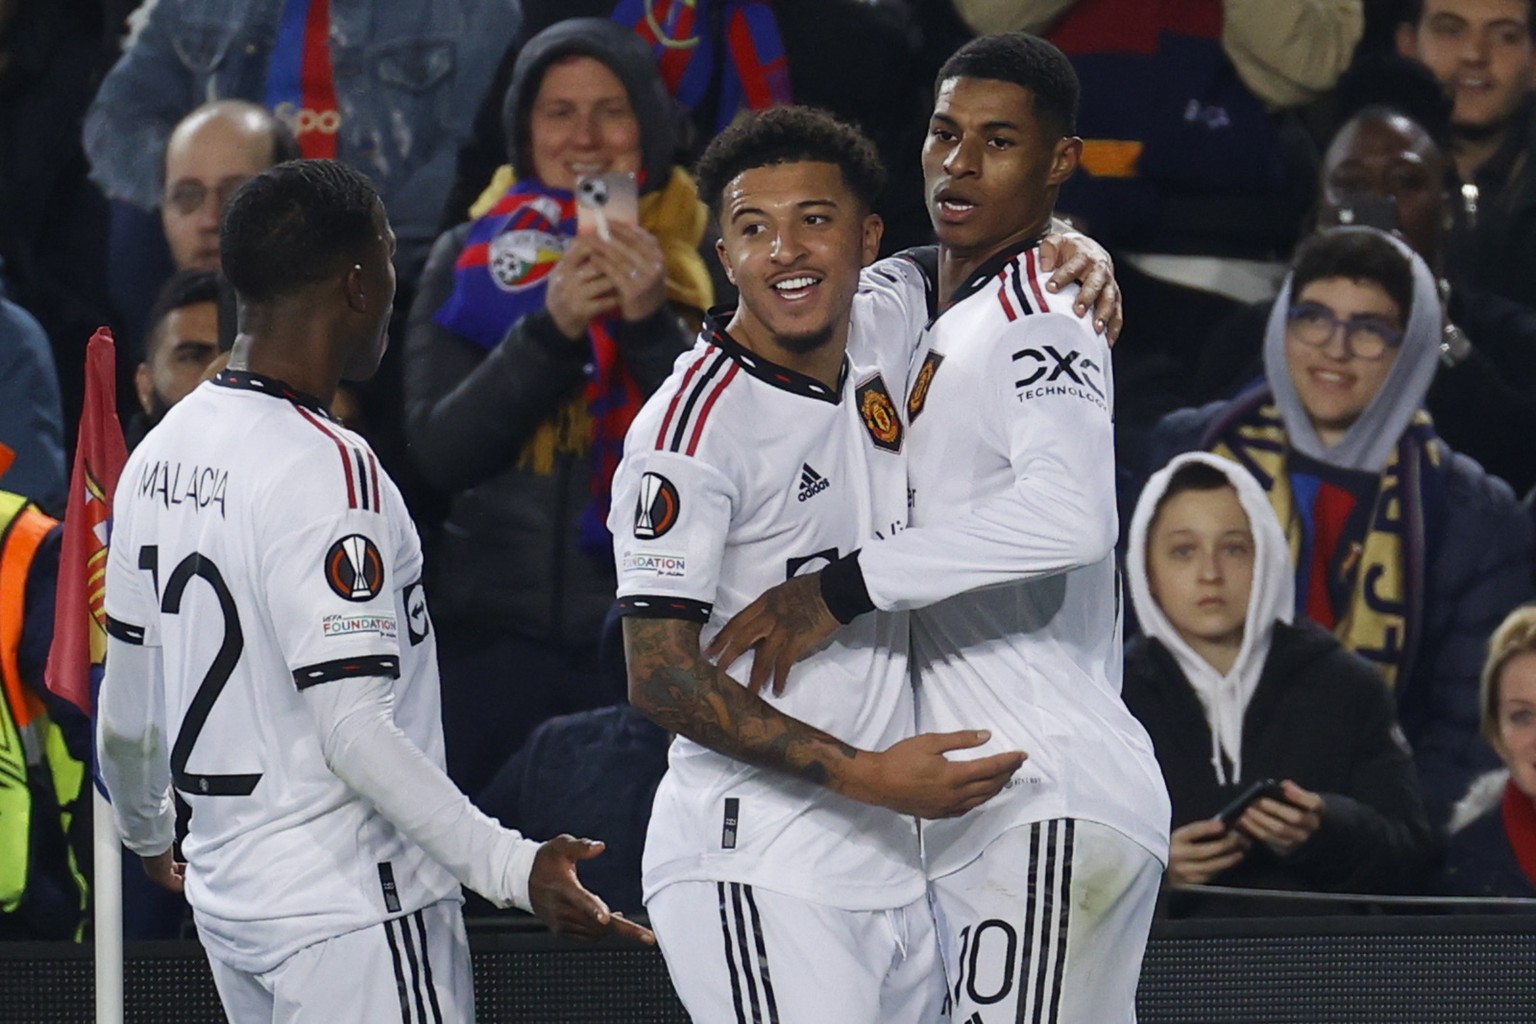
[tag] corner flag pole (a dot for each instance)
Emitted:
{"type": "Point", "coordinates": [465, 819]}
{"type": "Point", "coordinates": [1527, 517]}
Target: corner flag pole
{"type": "Point", "coordinates": [80, 638]}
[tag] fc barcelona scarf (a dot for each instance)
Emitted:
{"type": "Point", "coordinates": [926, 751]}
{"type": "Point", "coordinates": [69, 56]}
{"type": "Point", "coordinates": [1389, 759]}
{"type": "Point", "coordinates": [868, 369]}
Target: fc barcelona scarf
{"type": "Point", "coordinates": [1383, 619]}
{"type": "Point", "coordinates": [502, 276]}
{"type": "Point", "coordinates": [685, 39]}
{"type": "Point", "coordinates": [301, 89]}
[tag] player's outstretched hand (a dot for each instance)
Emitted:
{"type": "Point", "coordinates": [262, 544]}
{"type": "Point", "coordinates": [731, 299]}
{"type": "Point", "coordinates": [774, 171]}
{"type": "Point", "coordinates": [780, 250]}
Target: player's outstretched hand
{"type": "Point", "coordinates": [914, 776]}
{"type": "Point", "coordinates": [568, 907]}
{"type": "Point", "coordinates": [785, 624]}
{"type": "Point", "coordinates": [1074, 256]}
{"type": "Point", "coordinates": [165, 870]}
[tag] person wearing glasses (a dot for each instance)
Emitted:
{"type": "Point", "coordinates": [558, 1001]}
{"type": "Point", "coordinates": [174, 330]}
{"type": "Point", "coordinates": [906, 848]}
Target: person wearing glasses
{"type": "Point", "coordinates": [211, 152]}
{"type": "Point", "coordinates": [1406, 551]}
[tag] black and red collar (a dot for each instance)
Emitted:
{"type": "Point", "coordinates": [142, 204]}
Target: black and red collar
{"type": "Point", "coordinates": [990, 269]}
{"type": "Point", "coordinates": [765, 370]}
{"type": "Point", "coordinates": [245, 380]}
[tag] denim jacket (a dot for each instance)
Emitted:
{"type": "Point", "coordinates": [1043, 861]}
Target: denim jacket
{"type": "Point", "coordinates": [409, 76]}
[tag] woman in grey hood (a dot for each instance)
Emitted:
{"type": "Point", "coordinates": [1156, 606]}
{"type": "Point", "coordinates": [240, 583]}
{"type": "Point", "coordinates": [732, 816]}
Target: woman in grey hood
{"type": "Point", "coordinates": [530, 348]}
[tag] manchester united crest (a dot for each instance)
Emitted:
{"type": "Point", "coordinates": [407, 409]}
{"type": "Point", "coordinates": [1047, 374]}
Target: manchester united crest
{"type": "Point", "coordinates": [879, 414]}
{"type": "Point", "coordinates": [919, 396]}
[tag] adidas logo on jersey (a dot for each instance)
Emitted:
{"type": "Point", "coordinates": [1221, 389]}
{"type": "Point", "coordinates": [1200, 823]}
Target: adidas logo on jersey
{"type": "Point", "coordinates": [812, 483]}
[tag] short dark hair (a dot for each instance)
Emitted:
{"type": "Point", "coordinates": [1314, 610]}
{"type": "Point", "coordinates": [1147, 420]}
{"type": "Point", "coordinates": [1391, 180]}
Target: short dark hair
{"type": "Point", "coordinates": [295, 224]}
{"type": "Point", "coordinates": [1411, 11]}
{"type": "Point", "coordinates": [1028, 62]}
{"type": "Point", "coordinates": [790, 135]}
{"type": "Point", "coordinates": [1192, 476]}
{"type": "Point", "coordinates": [1359, 254]}
{"type": "Point", "coordinates": [190, 287]}
{"type": "Point", "coordinates": [1379, 84]}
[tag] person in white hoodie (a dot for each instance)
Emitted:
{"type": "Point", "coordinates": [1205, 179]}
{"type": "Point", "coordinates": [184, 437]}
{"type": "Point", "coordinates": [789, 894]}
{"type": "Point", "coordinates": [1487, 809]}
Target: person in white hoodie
{"type": "Point", "coordinates": [1233, 690]}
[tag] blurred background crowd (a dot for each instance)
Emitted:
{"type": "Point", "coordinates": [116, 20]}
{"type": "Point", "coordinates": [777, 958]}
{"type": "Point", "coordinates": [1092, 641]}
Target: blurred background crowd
{"type": "Point", "coordinates": [1367, 401]}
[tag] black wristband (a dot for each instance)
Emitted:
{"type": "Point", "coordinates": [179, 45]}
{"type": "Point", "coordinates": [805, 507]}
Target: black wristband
{"type": "Point", "coordinates": [843, 589]}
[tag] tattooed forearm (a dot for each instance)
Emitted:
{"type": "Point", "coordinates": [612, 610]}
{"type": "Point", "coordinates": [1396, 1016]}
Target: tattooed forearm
{"type": "Point", "coordinates": [675, 686]}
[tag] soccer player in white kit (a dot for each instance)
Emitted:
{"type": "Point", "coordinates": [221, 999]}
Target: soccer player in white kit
{"type": "Point", "coordinates": [781, 869]}
{"type": "Point", "coordinates": [271, 657]}
{"type": "Point", "coordinates": [1044, 896]}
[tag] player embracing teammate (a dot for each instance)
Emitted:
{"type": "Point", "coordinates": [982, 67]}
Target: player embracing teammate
{"type": "Point", "coordinates": [1043, 894]}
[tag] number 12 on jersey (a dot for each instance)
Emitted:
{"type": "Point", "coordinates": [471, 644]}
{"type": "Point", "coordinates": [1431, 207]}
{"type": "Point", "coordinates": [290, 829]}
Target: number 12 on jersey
{"type": "Point", "coordinates": [194, 567]}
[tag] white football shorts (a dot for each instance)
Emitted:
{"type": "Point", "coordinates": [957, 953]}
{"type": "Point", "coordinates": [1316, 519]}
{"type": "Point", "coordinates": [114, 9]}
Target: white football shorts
{"type": "Point", "coordinates": [413, 969]}
{"type": "Point", "coordinates": [1048, 925]}
{"type": "Point", "coordinates": [742, 953]}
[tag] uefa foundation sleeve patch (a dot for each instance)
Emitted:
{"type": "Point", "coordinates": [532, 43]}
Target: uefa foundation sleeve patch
{"type": "Point", "coordinates": [354, 569]}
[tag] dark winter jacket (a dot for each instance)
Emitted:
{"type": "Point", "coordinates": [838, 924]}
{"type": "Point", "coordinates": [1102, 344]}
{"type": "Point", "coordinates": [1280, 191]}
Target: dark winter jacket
{"type": "Point", "coordinates": [1477, 567]}
{"type": "Point", "coordinates": [509, 557]}
{"type": "Point", "coordinates": [1321, 717]}
{"type": "Point", "coordinates": [1479, 858]}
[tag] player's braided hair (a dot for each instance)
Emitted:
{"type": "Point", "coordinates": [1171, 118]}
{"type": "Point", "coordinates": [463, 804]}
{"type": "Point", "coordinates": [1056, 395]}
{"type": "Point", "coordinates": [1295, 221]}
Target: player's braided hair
{"type": "Point", "coordinates": [295, 224]}
{"type": "Point", "coordinates": [786, 135]}
{"type": "Point", "coordinates": [1027, 61]}
{"type": "Point", "coordinates": [1356, 255]}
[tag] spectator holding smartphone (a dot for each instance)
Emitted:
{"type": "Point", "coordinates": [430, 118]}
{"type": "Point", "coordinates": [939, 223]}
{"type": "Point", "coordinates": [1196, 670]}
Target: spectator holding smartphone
{"type": "Point", "coordinates": [530, 348]}
{"type": "Point", "coordinates": [1231, 689]}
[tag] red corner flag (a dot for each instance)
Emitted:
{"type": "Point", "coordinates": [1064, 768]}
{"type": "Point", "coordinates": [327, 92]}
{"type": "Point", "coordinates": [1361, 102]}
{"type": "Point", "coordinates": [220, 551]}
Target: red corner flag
{"type": "Point", "coordinates": [80, 618]}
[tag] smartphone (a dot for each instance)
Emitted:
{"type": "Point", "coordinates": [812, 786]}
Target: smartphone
{"type": "Point", "coordinates": [1367, 211]}
{"type": "Point", "coordinates": [1229, 814]}
{"type": "Point", "coordinates": [604, 199]}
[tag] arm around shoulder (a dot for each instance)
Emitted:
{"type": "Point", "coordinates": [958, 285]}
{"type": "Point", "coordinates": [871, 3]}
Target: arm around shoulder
{"type": "Point", "coordinates": [1052, 508]}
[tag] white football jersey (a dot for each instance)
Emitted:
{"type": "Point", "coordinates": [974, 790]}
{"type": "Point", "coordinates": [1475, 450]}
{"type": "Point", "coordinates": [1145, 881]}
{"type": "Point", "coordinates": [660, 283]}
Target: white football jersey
{"type": "Point", "coordinates": [737, 475]}
{"type": "Point", "coordinates": [257, 543]}
{"type": "Point", "coordinates": [1011, 460]}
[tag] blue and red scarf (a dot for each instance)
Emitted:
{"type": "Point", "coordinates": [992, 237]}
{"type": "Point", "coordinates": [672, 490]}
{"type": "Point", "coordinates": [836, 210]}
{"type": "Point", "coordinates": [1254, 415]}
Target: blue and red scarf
{"type": "Point", "coordinates": [502, 275]}
{"type": "Point", "coordinates": [755, 74]}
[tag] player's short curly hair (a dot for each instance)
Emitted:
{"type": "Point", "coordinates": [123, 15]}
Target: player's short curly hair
{"type": "Point", "coordinates": [788, 135]}
{"type": "Point", "coordinates": [295, 224]}
{"type": "Point", "coordinates": [1028, 62]}
{"type": "Point", "coordinates": [1356, 254]}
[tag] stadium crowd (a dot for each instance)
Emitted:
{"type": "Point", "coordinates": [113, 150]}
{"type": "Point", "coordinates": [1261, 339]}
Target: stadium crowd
{"type": "Point", "coordinates": [1322, 219]}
